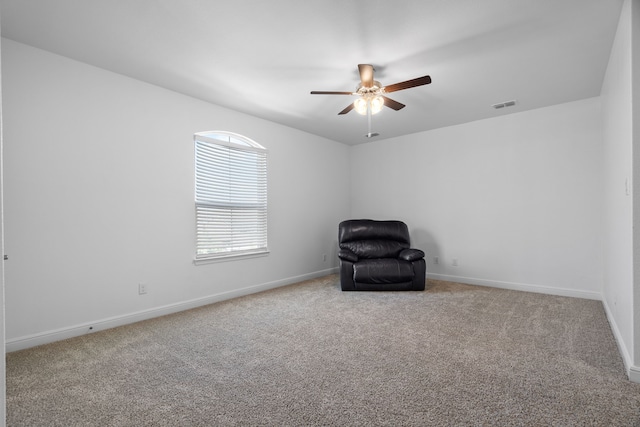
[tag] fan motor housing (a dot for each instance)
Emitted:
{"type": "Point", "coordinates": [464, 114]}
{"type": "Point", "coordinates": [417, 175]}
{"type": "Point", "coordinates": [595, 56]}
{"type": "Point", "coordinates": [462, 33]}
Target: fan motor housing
{"type": "Point", "coordinates": [375, 88]}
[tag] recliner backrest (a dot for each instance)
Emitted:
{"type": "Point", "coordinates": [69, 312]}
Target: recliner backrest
{"type": "Point", "coordinates": [373, 239]}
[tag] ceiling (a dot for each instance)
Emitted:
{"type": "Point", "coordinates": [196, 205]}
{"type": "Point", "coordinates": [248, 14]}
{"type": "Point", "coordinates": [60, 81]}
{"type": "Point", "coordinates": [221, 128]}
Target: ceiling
{"type": "Point", "coordinates": [264, 57]}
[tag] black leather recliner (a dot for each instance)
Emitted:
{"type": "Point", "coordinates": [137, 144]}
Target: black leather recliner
{"type": "Point", "coordinates": [376, 256]}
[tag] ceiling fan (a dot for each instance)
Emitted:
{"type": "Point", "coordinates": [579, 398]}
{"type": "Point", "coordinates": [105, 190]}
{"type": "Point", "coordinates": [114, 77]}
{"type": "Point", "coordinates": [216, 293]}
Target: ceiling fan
{"type": "Point", "coordinates": [370, 92]}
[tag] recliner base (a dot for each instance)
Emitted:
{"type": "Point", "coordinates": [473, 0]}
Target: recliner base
{"type": "Point", "coordinates": [405, 286]}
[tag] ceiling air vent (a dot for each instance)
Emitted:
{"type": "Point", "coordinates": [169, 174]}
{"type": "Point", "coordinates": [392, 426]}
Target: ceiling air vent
{"type": "Point", "coordinates": [504, 104]}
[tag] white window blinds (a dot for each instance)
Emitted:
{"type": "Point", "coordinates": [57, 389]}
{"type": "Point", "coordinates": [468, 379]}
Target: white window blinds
{"type": "Point", "coordinates": [231, 196]}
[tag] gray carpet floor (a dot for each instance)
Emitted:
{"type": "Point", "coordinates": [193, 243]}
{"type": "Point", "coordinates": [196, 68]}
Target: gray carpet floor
{"type": "Point", "coordinates": [309, 354]}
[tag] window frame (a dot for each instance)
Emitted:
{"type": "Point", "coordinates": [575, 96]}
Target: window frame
{"type": "Point", "coordinates": [233, 142]}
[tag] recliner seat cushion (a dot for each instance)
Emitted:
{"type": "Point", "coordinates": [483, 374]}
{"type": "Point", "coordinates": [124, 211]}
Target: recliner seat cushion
{"type": "Point", "coordinates": [375, 248]}
{"type": "Point", "coordinates": [381, 271]}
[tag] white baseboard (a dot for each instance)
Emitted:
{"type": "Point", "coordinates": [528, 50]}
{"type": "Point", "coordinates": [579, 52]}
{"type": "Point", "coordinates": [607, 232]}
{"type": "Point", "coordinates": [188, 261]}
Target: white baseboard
{"type": "Point", "coordinates": [633, 372]}
{"type": "Point", "coordinates": [46, 337]}
{"type": "Point", "coordinates": [518, 286]}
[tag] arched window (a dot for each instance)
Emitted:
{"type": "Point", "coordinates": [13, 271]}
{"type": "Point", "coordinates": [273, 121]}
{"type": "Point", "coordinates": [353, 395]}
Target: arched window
{"type": "Point", "coordinates": [230, 195]}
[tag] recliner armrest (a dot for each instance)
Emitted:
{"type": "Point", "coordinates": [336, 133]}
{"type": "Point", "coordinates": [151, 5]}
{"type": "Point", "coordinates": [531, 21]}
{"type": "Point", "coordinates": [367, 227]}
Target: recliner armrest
{"type": "Point", "coordinates": [347, 255]}
{"type": "Point", "coordinates": [411, 254]}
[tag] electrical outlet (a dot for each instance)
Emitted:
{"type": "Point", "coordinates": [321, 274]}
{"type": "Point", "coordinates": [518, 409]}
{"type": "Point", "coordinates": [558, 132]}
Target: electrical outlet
{"type": "Point", "coordinates": [142, 288]}
{"type": "Point", "coordinates": [627, 186]}
{"type": "Point", "coordinates": [324, 257]}
{"type": "Point", "coordinates": [454, 262]}
{"type": "Point", "coordinates": [436, 260]}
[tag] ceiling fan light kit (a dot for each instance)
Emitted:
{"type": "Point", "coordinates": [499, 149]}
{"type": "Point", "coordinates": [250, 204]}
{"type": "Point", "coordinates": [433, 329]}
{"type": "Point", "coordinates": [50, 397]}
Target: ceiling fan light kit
{"type": "Point", "coordinates": [368, 102]}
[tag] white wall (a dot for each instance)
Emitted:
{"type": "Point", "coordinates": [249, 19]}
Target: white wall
{"type": "Point", "coordinates": [516, 199]}
{"type": "Point", "coordinates": [3, 406]}
{"type": "Point", "coordinates": [99, 197]}
{"type": "Point", "coordinates": [635, 75]}
{"type": "Point", "coordinates": [618, 177]}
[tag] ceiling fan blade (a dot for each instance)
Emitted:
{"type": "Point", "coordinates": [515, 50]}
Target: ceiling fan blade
{"type": "Point", "coordinates": [346, 110]}
{"type": "Point", "coordinates": [366, 74]}
{"type": "Point", "coordinates": [323, 92]}
{"type": "Point", "coordinates": [408, 84]}
{"type": "Point", "coordinates": [393, 104]}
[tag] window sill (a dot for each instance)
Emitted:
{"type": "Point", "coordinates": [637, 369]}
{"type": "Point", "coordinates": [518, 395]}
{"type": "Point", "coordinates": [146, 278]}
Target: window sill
{"type": "Point", "coordinates": [225, 258]}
